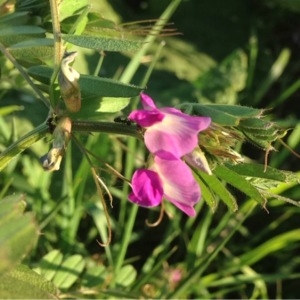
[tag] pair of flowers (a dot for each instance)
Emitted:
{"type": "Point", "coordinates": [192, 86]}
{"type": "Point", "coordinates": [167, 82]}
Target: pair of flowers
{"type": "Point", "coordinates": [170, 136]}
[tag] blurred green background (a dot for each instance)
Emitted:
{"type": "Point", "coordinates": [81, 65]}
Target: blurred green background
{"type": "Point", "coordinates": [231, 52]}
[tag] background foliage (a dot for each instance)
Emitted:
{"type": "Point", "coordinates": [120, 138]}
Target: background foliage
{"type": "Point", "coordinates": [244, 52]}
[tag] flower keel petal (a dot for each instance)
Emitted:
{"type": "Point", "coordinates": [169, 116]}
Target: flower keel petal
{"type": "Point", "coordinates": [147, 189]}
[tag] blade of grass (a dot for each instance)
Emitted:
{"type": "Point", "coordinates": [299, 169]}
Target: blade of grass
{"type": "Point", "coordinates": [22, 144]}
{"type": "Point", "coordinates": [275, 72]}
{"type": "Point", "coordinates": [161, 22]}
{"type": "Point", "coordinates": [203, 264]}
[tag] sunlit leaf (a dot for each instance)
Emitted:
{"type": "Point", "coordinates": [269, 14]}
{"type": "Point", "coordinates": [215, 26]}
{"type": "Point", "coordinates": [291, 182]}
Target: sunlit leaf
{"type": "Point", "coordinates": [23, 283]}
{"type": "Point", "coordinates": [219, 189]}
{"type": "Point", "coordinates": [69, 8]}
{"type": "Point", "coordinates": [34, 51]}
{"type": "Point", "coordinates": [50, 263]}
{"type": "Point", "coordinates": [94, 276]}
{"type": "Point", "coordinates": [208, 195]}
{"type": "Point", "coordinates": [272, 245]}
{"type": "Point", "coordinates": [126, 276]}
{"type": "Point", "coordinates": [6, 110]}
{"type": "Point", "coordinates": [18, 232]}
{"type": "Point", "coordinates": [69, 271]}
{"type": "Point", "coordinates": [103, 43]}
{"type": "Point", "coordinates": [239, 182]}
{"type": "Point", "coordinates": [15, 34]}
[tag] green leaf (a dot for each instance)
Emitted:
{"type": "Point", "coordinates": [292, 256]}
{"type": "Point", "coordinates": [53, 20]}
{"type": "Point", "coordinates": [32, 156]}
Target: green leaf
{"type": "Point", "coordinates": [6, 110]}
{"type": "Point", "coordinates": [207, 195]}
{"type": "Point", "coordinates": [103, 43]}
{"type": "Point", "coordinates": [216, 115]}
{"type": "Point", "coordinates": [69, 271]}
{"type": "Point", "coordinates": [99, 95]}
{"type": "Point", "coordinates": [68, 8]}
{"type": "Point", "coordinates": [91, 85]}
{"type": "Point", "coordinates": [11, 207]}
{"type": "Point", "coordinates": [18, 232]}
{"type": "Point", "coordinates": [94, 276]}
{"type": "Point", "coordinates": [259, 171]}
{"type": "Point", "coordinates": [34, 51]}
{"type": "Point", "coordinates": [16, 34]}
{"type": "Point", "coordinates": [227, 115]}
{"type": "Point", "coordinates": [126, 276]}
{"type": "Point", "coordinates": [259, 127]}
{"type": "Point", "coordinates": [218, 187]}
{"type": "Point", "coordinates": [16, 18]}
{"type": "Point", "coordinates": [93, 108]}
{"type": "Point", "coordinates": [261, 132]}
{"type": "Point", "coordinates": [22, 144]}
{"type": "Point", "coordinates": [239, 182]}
{"type": "Point", "coordinates": [23, 283]}
{"type": "Point", "coordinates": [247, 120]}
{"type": "Point", "coordinates": [50, 263]}
{"type": "Point", "coordinates": [242, 112]}
{"type": "Point", "coordinates": [272, 245]}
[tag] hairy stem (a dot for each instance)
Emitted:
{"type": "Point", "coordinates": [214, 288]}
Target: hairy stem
{"type": "Point", "coordinates": [107, 127]}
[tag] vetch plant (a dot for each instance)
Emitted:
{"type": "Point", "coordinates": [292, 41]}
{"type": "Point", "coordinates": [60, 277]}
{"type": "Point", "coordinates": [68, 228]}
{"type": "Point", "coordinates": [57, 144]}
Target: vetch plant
{"type": "Point", "coordinates": [180, 156]}
{"type": "Point", "coordinates": [169, 135]}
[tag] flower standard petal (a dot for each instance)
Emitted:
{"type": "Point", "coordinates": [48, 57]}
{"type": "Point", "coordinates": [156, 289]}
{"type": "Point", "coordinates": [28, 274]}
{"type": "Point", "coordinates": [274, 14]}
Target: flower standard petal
{"type": "Point", "coordinates": [179, 184]}
{"type": "Point", "coordinates": [147, 102]}
{"type": "Point", "coordinates": [146, 118]}
{"type": "Point", "coordinates": [177, 133]}
{"type": "Point", "coordinates": [168, 129]}
{"type": "Point", "coordinates": [147, 189]}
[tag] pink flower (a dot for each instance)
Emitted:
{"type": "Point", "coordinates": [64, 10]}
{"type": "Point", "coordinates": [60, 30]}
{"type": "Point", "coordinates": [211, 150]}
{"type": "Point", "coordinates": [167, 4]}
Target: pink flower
{"type": "Point", "coordinates": [168, 177]}
{"type": "Point", "coordinates": [169, 135]}
{"type": "Point", "coordinates": [168, 129]}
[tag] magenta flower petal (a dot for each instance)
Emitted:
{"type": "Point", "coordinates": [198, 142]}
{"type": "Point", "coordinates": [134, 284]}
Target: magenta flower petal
{"type": "Point", "coordinates": [146, 118]}
{"type": "Point", "coordinates": [147, 102]}
{"type": "Point", "coordinates": [177, 133]}
{"type": "Point", "coordinates": [147, 189]}
{"type": "Point", "coordinates": [179, 184]}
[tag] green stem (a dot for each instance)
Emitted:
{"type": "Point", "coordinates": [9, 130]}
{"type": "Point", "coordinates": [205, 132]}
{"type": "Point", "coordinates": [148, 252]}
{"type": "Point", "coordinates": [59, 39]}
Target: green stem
{"type": "Point", "coordinates": [253, 52]}
{"type": "Point", "coordinates": [58, 50]}
{"type": "Point", "coordinates": [107, 127]}
{"type": "Point", "coordinates": [99, 64]}
{"type": "Point", "coordinates": [133, 210]}
{"type": "Point", "coordinates": [70, 206]}
{"type": "Point", "coordinates": [126, 238]}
